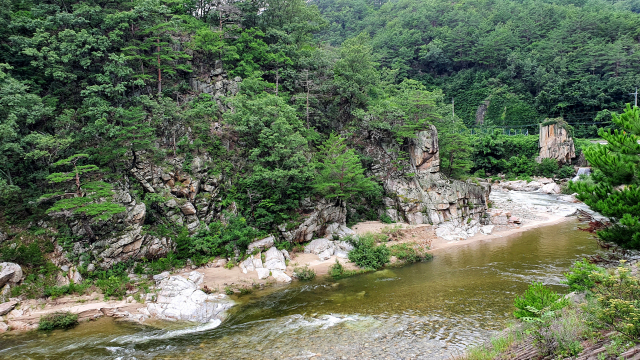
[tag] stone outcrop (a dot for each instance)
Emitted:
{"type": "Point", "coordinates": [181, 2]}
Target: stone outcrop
{"type": "Point", "coordinates": [216, 84]}
{"type": "Point", "coordinates": [274, 264]}
{"type": "Point", "coordinates": [10, 273]}
{"type": "Point", "coordinates": [314, 224]}
{"type": "Point", "coordinates": [181, 299]}
{"type": "Point", "coordinates": [420, 194]}
{"type": "Point", "coordinates": [326, 248]}
{"type": "Point", "coordinates": [556, 143]}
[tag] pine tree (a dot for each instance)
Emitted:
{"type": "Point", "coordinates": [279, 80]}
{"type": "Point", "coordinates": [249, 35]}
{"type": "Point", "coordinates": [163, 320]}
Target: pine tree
{"type": "Point", "coordinates": [89, 201]}
{"type": "Point", "coordinates": [340, 172]}
{"type": "Point", "coordinates": [614, 192]}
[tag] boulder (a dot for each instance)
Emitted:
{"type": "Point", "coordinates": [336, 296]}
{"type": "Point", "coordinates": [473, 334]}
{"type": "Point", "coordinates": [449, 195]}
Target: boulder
{"type": "Point", "coordinates": [551, 188]}
{"type": "Point", "coordinates": [7, 306]}
{"type": "Point", "coordinates": [274, 260]}
{"type": "Point", "coordinates": [325, 255]}
{"type": "Point", "coordinates": [487, 229]}
{"type": "Point", "coordinates": [286, 255]}
{"type": "Point", "coordinates": [280, 276]}
{"type": "Point", "coordinates": [10, 273]}
{"type": "Point", "coordinates": [196, 277]}
{"type": "Point", "coordinates": [163, 275]}
{"type": "Point", "coordinates": [261, 245]}
{"type": "Point", "coordinates": [3, 327]}
{"type": "Point", "coordinates": [320, 213]}
{"type": "Point", "coordinates": [450, 232]}
{"type": "Point", "coordinates": [343, 246]}
{"type": "Point", "coordinates": [188, 209]}
{"type": "Point", "coordinates": [5, 293]}
{"type": "Point", "coordinates": [263, 273]}
{"type": "Point", "coordinates": [338, 230]}
{"type": "Point", "coordinates": [180, 299]}
{"type": "Point", "coordinates": [247, 265]}
{"type": "Point", "coordinates": [318, 246]}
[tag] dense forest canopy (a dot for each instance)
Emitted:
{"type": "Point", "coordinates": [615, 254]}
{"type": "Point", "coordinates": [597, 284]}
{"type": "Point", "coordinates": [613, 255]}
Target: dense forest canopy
{"type": "Point", "coordinates": [528, 60]}
{"type": "Point", "coordinates": [104, 85]}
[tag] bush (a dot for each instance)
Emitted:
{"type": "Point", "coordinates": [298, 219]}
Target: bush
{"type": "Point", "coordinates": [548, 167]}
{"type": "Point", "coordinates": [566, 172]}
{"type": "Point", "coordinates": [538, 297]}
{"type": "Point", "coordinates": [337, 270]}
{"type": "Point", "coordinates": [408, 254]}
{"type": "Point", "coordinates": [219, 240]}
{"type": "Point", "coordinates": [58, 320]}
{"type": "Point", "coordinates": [580, 277]}
{"type": "Point", "coordinates": [113, 286]}
{"type": "Point", "coordinates": [25, 255]}
{"type": "Point", "coordinates": [56, 291]}
{"type": "Point", "coordinates": [304, 273]}
{"type": "Point", "coordinates": [367, 255]}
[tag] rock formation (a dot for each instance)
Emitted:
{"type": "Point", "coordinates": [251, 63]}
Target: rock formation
{"type": "Point", "coordinates": [556, 143]}
{"type": "Point", "coordinates": [421, 194]}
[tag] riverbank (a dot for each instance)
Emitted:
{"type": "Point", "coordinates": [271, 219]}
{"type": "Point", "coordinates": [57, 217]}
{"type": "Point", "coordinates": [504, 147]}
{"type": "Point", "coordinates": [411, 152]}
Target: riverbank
{"type": "Point", "coordinates": [218, 279]}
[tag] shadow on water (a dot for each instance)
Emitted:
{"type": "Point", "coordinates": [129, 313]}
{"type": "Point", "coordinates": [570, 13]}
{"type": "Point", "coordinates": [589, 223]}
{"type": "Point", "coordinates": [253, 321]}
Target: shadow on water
{"type": "Point", "coordinates": [456, 299]}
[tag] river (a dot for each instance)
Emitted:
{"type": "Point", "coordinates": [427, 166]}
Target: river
{"type": "Point", "coordinates": [427, 310]}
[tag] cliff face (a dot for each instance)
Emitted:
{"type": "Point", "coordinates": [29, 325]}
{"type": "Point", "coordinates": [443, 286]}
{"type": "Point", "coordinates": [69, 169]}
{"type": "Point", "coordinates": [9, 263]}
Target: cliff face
{"type": "Point", "coordinates": [556, 143]}
{"type": "Point", "coordinates": [423, 195]}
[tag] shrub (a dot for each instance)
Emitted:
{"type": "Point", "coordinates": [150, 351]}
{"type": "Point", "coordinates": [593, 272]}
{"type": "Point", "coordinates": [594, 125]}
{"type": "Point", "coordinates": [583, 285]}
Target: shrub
{"type": "Point", "coordinates": [304, 273]}
{"type": "Point", "coordinates": [58, 320]}
{"type": "Point", "coordinates": [386, 219]}
{"type": "Point", "coordinates": [367, 255]}
{"type": "Point", "coordinates": [336, 270]}
{"type": "Point", "coordinates": [57, 291]}
{"type": "Point", "coordinates": [548, 167]}
{"type": "Point", "coordinates": [408, 254]}
{"type": "Point", "coordinates": [566, 172]}
{"type": "Point", "coordinates": [580, 276]}
{"type": "Point", "coordinates": [218, 240]}
{"type": "Point", "coordinates": [538, 297]}
{"type": "Point", "coordinates": [228, 290]}
{"type": "Point", "coordinates": [113, 286]}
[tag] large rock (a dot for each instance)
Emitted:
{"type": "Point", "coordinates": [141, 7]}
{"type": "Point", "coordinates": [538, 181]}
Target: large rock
{"type": "Point", "coordinates": [320, 216]}
{"type": "Point", "coordinates": [416, 192]}
{"type": "Point", "coordinates": [340, 231]}
{"type": "Point", "coordinates": [10, 273]}
{"type": "Point", "coordinates": [319, 246]}
{"type": "Point", "coordinates": [274, 260]}
{"type": "Point", "coordinates": [7, 306]}
{"type": "Point", "coordinates": [280, 276]}
{"type": "Point", "coordinates": [263, 244]}
{"type": "Point", "coordinates": [450, 232]}
{"type": "Point", "coordinates": [180, 299]}
{"type": "Point", "coordinates": [551, 188]}
{"type": "Point", "coordinates": [556, 143]}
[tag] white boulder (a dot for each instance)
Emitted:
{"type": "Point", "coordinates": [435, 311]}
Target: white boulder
{"type": "Point", "coordinates": [10, 273]}
{"type": "Point", "coordinates": [274, 260]}
{"type": "Point", "coordinates": [550, 188]}
{"type": "Point", "coordinates": [280, 276]}
{"type": "Point", "coordinates": [261, 245]}
{"type": "Point", "coordinates": [180, 299]}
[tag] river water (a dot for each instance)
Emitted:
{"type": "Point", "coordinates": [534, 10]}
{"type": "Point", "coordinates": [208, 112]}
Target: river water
{"type": "Point", "coordinates": [427, 310]}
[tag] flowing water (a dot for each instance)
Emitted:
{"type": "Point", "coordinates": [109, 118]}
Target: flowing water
{"type": "Point", "coordinates": [427, 310]}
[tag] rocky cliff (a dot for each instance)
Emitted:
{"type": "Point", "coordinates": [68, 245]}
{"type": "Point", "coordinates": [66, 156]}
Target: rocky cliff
{"type": "Point", "coordinates": [421, 194]}
{"type": "Point", "coordinates": [556, 143]}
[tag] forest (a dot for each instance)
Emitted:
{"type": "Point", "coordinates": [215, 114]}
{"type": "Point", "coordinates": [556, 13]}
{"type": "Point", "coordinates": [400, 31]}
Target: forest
{"type": "Point", "coordinates": [91, 89]}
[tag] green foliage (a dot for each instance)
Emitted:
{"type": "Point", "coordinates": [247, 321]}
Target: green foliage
{"type": "Point", "coordinates": [616, 164]}
{"type": "Point", "coordinates": [617, 293]}
{"type": "Point", "coordinates": [26, 255]}
{"type": "Point", "coordinates": [54, 292]}
{"type": "Point", "coordinates": [548, 167]}
{"type": "Point", "coordinates": [407, 254]}
{"type": "Point", "coordinates": [536, 299]}
{"type": "Point", "coordinates": [58, 320]}
{"type": "Point", "coordinates": [113, 286]}
{"type": "Point", "coordinates": [366, 254]}
{"type": "Point", "coordinates": [340, 173]}
{"type": "Point", "coordinates": [304, 273]}
{"type": "Point", "coordinates": [581, 276]}
{"type": "Point", "coordinates": [218, 240]}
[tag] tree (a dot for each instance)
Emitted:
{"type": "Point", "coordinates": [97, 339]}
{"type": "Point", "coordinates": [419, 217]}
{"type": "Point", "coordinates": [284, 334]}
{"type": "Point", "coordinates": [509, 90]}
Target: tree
{"type": "Point", "coordinates": [614, 191]}
{"type": "Point", "coordinates": [340, 173]}
{"type": "Point", "coordinates": [89, 201]}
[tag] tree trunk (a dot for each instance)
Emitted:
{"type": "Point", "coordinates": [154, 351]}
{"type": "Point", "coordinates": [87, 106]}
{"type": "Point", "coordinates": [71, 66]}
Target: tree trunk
{"type": "Point", "coordinates": [159, 70]}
